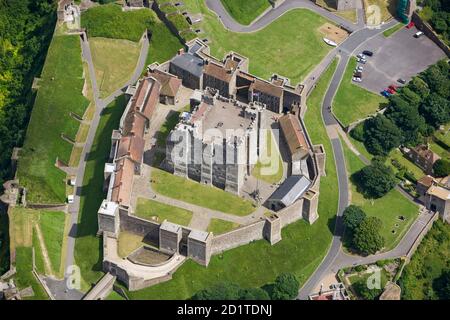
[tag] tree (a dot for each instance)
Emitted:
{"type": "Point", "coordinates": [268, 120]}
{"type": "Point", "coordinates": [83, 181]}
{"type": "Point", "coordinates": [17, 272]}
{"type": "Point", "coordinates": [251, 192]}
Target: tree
{"type": "Point", "coordinates": [286, 287]}
{"type": "Point", "coordinates": [441, 168]}
{"type": "Point", "coordinates": [364, 292]}
{"type": "Point", "coordinates": [441, 285]}
{"type": "Point", "coordinates": [254, 294]}
{"type": "Point", "coordinates": [367, 238]}
{"type": "Point", "coordinates": [419, 86]}
{"type": "Point", "coordinates": [375, 180]}
{"type": "Point", "coordinates": [435, 109]}
{"type": "Point", "coordinates": [382, 135]}
{"type": "Point", "coordinates": [353, 216]}
{"type": "Point", "coordinates": [437, 80]}
{"type": "Point", "coordinates": [406, 117]}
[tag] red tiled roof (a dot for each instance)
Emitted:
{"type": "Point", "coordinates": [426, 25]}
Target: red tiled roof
{"type": "Point", "coordinates": [267, 88]}
{"type": "Point", "coordinates": [294, 135]}
{"type": "Point", "coordinates": [131, 146]}
{"type": "Point", "coordinates": [123, 182]}
{"type": "Point", "coordinates": [170, 84]}
{"type": "Point", "coordinates": [218, 72]}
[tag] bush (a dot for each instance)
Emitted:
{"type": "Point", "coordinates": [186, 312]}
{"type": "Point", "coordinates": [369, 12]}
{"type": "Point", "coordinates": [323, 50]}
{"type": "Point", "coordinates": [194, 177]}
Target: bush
{"type": "Point", "coordinates": [286, 287]}
{"type": "Point", "coordinates": [358, 132]}
{"type": "Point", "coordinates": [367, 238]}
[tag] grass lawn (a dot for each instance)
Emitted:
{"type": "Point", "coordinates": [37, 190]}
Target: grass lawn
{"type": "Point", "coordinates": [88, 247]}
{"type": "Point", "coordinates": [219, 226]}
{"type": "Point", "coordinates": [300, 252]}
{"type": "Point", "coordinates": [114, 62]}
{"type": "Point", "coordinates": [128, 242]}
{"type": "Point", "coordinates": [193, 192]}
{"type": "Point", "coordinates": [108, 21]}
{"type": "Point", "coordinates": [58, 95]}
{"type": "Point", "coordinates": [38, 255]}
{"type": "Point", "coordinates": [389, 32]}
{"type": "Point", "coordinates": [443, 153]}
{"type": "Point", "coordinates": [245, 12]}
{"type": "Point", "coordinates": [24, 276]}
{"type": "Point", "coordinates": [271, 158]}
{"type": "Point", "coordinates": [158, 212]}
{"type": "Point", "coordinates": [171, 121]}
{"type": "Point", "coordinates": [387, 208]}
{"type": "Point", "coordinates": [444, 135]}
{"type": "Point", "coordinates": [360, 147]}
{"type": "Point", "coordinates": [52, 226]}
{"type": "Point", "coordinates": [114, 296]}
{"type": "Point", "coordinates": [362, 278]}
{"type": "Point", "coordinates": [397, 155]}
{"type": "Point", "coordinates": [267, 49]}
{"type": "Point", "coordinates": [427, 263]}
{"type": "Point", "coordinates": [387, 10]}
{"type": "Point", "coordinates": [352, 102]}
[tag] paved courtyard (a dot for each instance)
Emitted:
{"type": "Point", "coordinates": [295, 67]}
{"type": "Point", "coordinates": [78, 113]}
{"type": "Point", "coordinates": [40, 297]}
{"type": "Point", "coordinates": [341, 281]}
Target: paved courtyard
{"type": "Point", "coordinates": [398, 56]}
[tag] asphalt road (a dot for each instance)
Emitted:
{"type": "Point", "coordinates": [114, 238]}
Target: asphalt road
{"type": "Point", "coordinates": [272, 14]}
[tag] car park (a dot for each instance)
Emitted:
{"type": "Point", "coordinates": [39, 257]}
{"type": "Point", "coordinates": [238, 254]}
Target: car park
{"type": "Point", "coordinates": [368, 53]}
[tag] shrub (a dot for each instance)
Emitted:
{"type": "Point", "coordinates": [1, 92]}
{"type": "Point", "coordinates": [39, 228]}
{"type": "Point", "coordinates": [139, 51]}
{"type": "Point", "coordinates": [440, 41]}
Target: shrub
{"type": "Point", "coordinates": [358, 132]}
{"type": "Point", "coordinates": [286, 287]}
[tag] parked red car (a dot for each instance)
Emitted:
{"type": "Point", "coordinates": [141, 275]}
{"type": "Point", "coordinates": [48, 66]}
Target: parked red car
{"type": "Point", "coordinates": [393, 87]}
{"type": "Point", "coordinates": [410, 25]}
{"type": "Point", "coordinates": [390, 90]}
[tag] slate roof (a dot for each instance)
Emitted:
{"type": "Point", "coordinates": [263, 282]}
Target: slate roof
{"type": "Point", "coordinates": [291, 189]}
{"type": "Point", "coordinates": [190, 63]}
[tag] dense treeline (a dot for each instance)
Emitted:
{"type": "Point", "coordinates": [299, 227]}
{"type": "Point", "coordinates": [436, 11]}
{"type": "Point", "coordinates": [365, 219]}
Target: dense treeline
{"type": "Point", "coordinates": [26, 28]}
{"type": "Point", "coordinates": [413, 114]}
{"type": "Point", "coordinates": [437, 13]}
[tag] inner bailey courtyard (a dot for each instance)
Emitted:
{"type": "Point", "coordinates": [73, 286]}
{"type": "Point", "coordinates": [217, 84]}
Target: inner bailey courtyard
{"type": "Point", "coordinates": [220, 137]}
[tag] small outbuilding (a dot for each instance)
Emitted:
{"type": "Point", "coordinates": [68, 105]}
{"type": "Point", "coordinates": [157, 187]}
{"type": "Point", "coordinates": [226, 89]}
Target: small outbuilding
{"type": "Point", "coordinates": [289, 191]}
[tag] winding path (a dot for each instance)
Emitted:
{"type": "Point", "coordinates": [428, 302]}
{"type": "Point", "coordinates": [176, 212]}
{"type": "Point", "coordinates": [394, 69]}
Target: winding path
{"type": "Point", "coordinates": [60, 288]}
{"type": "Point", "coordinates": [272, 14]}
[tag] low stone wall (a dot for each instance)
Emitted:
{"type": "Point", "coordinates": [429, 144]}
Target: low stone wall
{"type": "Point", "coordinates": [238, 237]}
{"type": "Point", "coordinates": [132, 283]}
{"type": "Point", "coordinates": [139, 226]}
{"type": "Point", "coordinates": [429, 32]}
{"type": "Point", "coordinates": [421, 236]}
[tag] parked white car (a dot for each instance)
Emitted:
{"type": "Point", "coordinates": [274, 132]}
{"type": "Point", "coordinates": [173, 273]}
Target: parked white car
{"type": "Point", "coordinates": [356, 79]}
{"type": "Point", "coordinates": [363, 61]}
{"type": "Point", "coordinates": [70, 198]}
{"type": "Point", "coordinates": [361, 56]}
{"type": "Point", "coordinates": [359, 69]}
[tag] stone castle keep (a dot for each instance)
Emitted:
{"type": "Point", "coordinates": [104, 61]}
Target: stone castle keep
{"type": "Point", "coordinates": [217, 142]}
